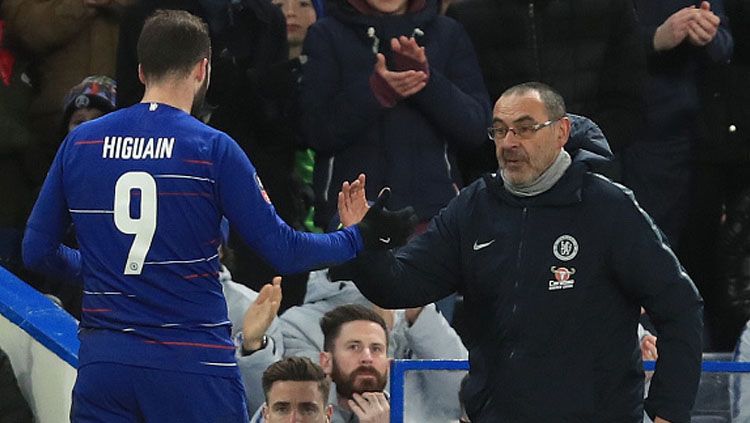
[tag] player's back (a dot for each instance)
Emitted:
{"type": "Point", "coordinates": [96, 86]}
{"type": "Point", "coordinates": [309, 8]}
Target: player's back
{"type": "Point", "coordinates": [140, 185]}
{"type": "Point", "coordinates": [146, 188]}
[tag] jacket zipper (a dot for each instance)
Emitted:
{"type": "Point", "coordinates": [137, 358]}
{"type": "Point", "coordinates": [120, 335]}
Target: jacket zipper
{"type": "Point", "coordinates": [534, 43]}
{"type": "Point", "coordinates": [524, 214]}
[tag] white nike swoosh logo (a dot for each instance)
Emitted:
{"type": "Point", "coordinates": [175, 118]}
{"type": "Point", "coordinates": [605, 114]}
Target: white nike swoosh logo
{"type": "Point", "coordinates": [385, 240]}
{"type": "Point", "coordinates": [478, 246]}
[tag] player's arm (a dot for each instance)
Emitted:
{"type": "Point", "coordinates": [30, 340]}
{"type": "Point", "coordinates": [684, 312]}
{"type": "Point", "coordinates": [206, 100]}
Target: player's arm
{"type": "Point", "coordinates": [42, 249]}
{"type": "Point", "coordinates": [288, 251]}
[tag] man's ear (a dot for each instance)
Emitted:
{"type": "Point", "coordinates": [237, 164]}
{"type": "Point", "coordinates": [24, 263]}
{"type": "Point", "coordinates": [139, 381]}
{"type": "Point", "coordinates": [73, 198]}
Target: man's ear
{"type": "Point", "coordinates": [264, 411]}
{"type": "Point", "coordinates": [201, 70]}
{"type": "Point", "coordinates": [563, 131]}
{"type": "Point", "coordinates": [141, 76]}
{"type": "Point", "coordinates": [326, 362]}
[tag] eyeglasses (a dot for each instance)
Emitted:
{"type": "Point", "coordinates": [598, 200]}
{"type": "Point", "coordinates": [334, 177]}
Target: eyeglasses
{"type": "Point", "coordinates": [521, 131]}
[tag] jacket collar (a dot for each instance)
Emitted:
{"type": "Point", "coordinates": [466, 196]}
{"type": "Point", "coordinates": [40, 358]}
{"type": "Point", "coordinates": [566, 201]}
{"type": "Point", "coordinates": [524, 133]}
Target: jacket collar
{"type": "Point", "coordinates": [566, 191]}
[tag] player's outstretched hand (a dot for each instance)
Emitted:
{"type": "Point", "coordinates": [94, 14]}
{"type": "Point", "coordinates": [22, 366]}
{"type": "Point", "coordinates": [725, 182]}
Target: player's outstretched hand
{"type": "Point", "coordinates": [352, 202]}
{"type": "Point", "coordinates": [383, 229]}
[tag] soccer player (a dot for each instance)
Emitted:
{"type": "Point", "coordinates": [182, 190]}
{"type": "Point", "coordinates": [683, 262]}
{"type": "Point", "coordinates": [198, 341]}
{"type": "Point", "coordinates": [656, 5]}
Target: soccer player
{"type": "Point", "coordinates": [146, 188]}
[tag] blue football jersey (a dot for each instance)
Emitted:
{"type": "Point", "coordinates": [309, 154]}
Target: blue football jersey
{"type": "Point", "coordinates": [146, 188]}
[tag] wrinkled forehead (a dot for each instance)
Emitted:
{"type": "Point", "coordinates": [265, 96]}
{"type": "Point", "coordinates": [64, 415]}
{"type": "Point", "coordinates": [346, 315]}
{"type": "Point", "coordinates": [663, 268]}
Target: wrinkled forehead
{"type": "Point", "coordinates": [515, 108]}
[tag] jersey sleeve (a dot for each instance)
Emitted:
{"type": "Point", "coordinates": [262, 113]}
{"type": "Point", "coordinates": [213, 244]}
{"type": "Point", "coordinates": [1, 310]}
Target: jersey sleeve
{"type": "Point", "coordinates": [42, 249]}
{"type": "Point", "coordinates": [248, 208]}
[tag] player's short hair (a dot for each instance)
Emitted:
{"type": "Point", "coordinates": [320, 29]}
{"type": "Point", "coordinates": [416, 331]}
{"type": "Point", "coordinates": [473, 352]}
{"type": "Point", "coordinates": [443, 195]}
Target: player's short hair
{"type": "Point", "coordinates": [332, 321]}
{"type": "Point", "coordinates": [296, 369]}
{"type": "Point", "coordinates": [552, 100]}
{"type": "Point", "coordinates": [171, 43]}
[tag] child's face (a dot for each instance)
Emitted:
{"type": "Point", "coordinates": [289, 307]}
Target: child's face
{"type": "Point", "coordinates": [83, 115]}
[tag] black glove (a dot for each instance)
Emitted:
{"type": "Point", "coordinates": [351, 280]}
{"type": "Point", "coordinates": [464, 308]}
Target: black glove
{"type": "Point", "coordinates": [383, 229]}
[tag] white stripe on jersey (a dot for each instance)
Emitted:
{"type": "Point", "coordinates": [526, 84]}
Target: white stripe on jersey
{"type": "Point", "coordinates": [91, 211]}
{"type": "Point", "coordinates": [215, 256]}
{"type": "Point", "coordinates": [197, 178]}
{"type": "Point", "coordinates": [211, 325]}
{"type": "Point", "coordinates": [208, 363]}
{"type": "Point", "coordinates": [108, 293]}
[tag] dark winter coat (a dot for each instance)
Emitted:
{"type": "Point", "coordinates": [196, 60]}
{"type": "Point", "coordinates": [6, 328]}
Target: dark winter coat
{"type": "Point", "coordinates": [553, 286]}
{"type": "Point", "coordinates": [410, 146]}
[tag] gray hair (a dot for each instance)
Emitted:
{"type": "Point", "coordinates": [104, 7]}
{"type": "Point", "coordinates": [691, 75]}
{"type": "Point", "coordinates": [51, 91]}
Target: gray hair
{"type": "Point", "coordinates": [552, 100]}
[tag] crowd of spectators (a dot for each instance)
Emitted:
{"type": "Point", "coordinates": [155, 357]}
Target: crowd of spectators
{"type": "Point", "coordinates": [317, 92]}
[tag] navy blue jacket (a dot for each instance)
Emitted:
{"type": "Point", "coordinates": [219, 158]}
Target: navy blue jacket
{"type": "Point", "coordinates": [553, 286]}
{"type": "Point", "coordinates": [408, 147]}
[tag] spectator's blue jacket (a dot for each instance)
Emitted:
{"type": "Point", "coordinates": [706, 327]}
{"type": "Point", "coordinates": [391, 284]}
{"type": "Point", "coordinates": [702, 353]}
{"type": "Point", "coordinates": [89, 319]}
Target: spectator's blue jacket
{"type": "Point", "coordinates": [408, 147]}
{"type": "Point", "coordinates": [553, 286]}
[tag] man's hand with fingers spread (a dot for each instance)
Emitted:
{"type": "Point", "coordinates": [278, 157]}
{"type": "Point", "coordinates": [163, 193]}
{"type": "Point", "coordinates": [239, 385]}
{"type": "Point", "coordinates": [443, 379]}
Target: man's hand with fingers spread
{"type": "Point", "coordinates": [371, 407]}
{"type": "Point", "coordinates": [260, 315]}
{"type": "Point", "coordinates": [352, 202]}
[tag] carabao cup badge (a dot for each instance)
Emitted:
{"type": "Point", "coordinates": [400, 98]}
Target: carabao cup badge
{"type": "Point", "coordinates": [562, 278]}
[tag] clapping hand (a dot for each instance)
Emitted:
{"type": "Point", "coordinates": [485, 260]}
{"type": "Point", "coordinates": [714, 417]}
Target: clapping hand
{"type": "Point", "coordinates": [408, 55]}
{"type": "Point", "coordinates": [703, 27]}
{"type": "Point", "coordinates": [407, 75]}
{"type": "Point", "coordinates": [260, 315]}
{"type": "Point", "coordinates": [403, 83]}
{"type": "Point", "coordinates": [697, 25]}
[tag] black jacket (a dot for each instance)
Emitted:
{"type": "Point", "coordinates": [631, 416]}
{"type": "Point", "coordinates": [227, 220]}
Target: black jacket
{"type": "Point", "coordinates": [553, 286]}
{"type": "Point", "coordinates": [588, 50]}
